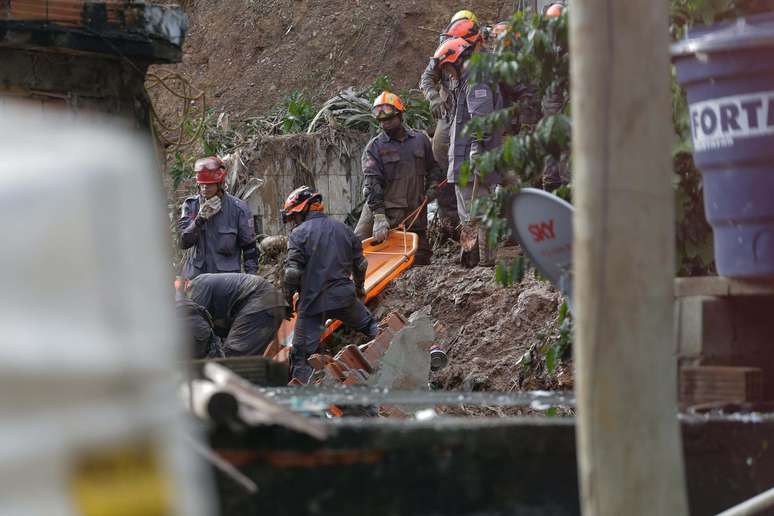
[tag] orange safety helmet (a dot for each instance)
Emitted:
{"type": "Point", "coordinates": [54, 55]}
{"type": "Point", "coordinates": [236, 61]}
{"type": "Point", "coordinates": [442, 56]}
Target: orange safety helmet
{"type": "Point", "coordinates": [464, 28]}
{"type": "Point", "coordinates": [554, 10]}
{"type": "Point", "coordinates": [450, 51]}
{"type": "Point", "coordinates": [387, 105]}
{"type": "Point", "coordinates": [301, 200]}
{"type": "Point", "coordinates": [210, 170]}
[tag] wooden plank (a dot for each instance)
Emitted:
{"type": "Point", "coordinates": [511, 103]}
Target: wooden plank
{"type": "Point", "coordinates": [705, 384]}
{"type": "Point", "coordinates": [721, 286]}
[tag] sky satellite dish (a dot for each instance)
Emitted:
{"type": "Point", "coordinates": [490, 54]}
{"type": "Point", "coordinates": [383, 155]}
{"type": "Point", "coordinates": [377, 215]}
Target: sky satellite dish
{"type": "Point", "coordinates": [542, 222]}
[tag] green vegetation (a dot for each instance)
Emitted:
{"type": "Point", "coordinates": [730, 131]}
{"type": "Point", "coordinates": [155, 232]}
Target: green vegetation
{"type": "Point", "coordinates": [534, 56]}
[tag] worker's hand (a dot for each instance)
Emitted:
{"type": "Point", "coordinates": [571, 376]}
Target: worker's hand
{"type": "Point", "coordinates": [381, 227]}
{"type": "Point", "coordinates": [210, 207]}
{"type": "Point", "coordinates": [288, 313]}
{"type": "Point", "coordinates": [360, 292]}
{"type": "Point", "coordinates": [437, 107]}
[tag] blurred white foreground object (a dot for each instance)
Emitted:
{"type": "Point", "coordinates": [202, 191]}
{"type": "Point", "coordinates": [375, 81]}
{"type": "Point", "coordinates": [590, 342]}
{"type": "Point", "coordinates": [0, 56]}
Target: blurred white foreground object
{"type": "Point", "coordinates": [89, 420]}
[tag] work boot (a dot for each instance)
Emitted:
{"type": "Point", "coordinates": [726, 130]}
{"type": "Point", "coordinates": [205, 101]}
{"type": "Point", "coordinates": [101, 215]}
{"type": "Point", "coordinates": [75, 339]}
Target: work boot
{"type": "Point", "coordinates": [469, 246]}
{"type": "Point", "coordinates": [486, 254]}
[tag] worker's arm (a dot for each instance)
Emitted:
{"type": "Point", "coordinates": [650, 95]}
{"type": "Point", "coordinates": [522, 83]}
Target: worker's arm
{"type": "Point", "coordinates": [373, 179]}
{"type": "Point", "coordinates": [431, 76]}
{"type": "Point", "coordinates": [247, 240]}
{"type": "Point", "coordinates": [434, 174]}
{"type": "Point", "coordinates": [359, 266]}
{"type": "Point", "coordinates": [294, 265]}
{"type": "Point", "coordinates": [480, 102]}
{"type": "Point", "coordinates": [188, 225]}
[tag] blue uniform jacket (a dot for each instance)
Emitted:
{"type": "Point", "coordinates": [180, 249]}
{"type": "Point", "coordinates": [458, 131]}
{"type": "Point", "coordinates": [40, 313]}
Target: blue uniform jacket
{"type": "Point", "coordinates": [327, 251]}
{"type": "Point", "coordinates": [222, 242]}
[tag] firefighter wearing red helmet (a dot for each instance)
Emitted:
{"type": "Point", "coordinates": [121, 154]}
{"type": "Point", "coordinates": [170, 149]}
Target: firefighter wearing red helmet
{"type": "Point", "coordinates": [217, 225]}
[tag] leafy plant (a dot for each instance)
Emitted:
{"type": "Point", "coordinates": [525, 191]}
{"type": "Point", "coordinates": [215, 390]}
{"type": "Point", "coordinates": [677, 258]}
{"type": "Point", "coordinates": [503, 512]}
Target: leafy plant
{"type": "Point", "coordinates": [181, 168]}
{"type": "Point", "coordinates": [556, 349]}
{"type": "Point", "coordinates": [298, 113]}
{"type": "Point", "coordinates": [352, 110]}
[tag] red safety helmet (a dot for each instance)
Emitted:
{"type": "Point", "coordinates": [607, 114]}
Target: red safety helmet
{"type": "Point", "coordinates": [387, 105]}
{"type": "Point", "coordinates": [300, 200]}
{"type": "Point", "coordinates": [464, 28]}
{"type": "Point", "coordinates": [554, 10]}
{"type": "Point", "coordinates": [210, 170]}
{"type": "Point", "coordinates": [452, 50]}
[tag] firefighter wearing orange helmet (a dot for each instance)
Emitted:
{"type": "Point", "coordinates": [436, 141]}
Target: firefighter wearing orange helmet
{"type": "Point", "coordinates": [399, 172]}
{"type": "Point", "coordinates": [438, 93]}
{"type": "Point", "coordinates": [217, 225]}
{"type": "Point", "coordinates": [471, 100]}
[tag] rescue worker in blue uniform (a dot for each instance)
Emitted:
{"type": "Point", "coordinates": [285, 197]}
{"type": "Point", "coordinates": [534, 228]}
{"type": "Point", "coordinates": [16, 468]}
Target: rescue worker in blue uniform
{"type": "Point", "coordinates": [246, 310]}
{"type": "Point", "coordinates": [435, 87]}
{"type": "Point", "coordinates": [322, 255]}
{"type": "Point", "coordinates": [217, 225]}
{"type": "Point", "coordinates": [197, 325]}
{"type": "Point", "coordinates": [399, 171]}
{"type": "Point", "coordinates": [470, 101]}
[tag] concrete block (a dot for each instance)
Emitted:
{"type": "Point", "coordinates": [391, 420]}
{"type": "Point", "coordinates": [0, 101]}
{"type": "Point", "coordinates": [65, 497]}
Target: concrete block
{"type": "Point", "coordinates": [406, 363]}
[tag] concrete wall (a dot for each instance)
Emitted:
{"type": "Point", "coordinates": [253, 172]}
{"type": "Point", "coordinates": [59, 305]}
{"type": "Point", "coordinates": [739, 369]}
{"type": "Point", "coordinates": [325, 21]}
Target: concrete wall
{"type": "Point", "coordinates": [329, 162]}
{"type": "Point", "coordinates": [75, 83]}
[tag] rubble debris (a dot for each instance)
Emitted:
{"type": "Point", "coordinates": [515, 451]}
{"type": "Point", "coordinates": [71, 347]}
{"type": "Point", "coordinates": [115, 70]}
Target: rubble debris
{"type": "Point", "coordinates": [255, 408]}
{"type": "Point", "coordinates": [406, 362]}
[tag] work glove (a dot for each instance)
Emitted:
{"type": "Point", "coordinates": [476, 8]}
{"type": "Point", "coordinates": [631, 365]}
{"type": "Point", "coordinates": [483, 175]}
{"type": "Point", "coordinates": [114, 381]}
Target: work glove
{"type": "Point", "coordinates": [210, 207]}
{"type": "Point", "coordinates": [381, 227]}
{"type": "Point", "coordinates": [437, 107]}
{"type": "Point", "coordinates": [360, 292]}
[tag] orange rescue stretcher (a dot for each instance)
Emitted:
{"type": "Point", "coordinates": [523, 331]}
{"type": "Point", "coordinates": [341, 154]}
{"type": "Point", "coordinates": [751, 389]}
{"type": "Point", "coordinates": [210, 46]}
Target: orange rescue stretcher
{"type": "Point", "coordinates": [386, 261]}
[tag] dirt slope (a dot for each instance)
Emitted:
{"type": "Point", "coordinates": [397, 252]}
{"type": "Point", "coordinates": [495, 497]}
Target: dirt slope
{"type": "Point", "coordinates": [485, 328]}
{"type": "Point", "coordinates": [247, 55]}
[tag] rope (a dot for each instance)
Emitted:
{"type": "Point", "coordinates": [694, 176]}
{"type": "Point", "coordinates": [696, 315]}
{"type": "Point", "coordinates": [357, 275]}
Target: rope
{"type": "Point", "coordinates": [187, 96]}
{"type": "Point", "coordinates": [417, 211]}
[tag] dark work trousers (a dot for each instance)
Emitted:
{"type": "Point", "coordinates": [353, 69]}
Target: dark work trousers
{"type": "Point", "coordinates": [253, 329]}
{"type": "Point", "coordinates": [447, 200]}
{"type": "Point", "coordinates": [309, 329]}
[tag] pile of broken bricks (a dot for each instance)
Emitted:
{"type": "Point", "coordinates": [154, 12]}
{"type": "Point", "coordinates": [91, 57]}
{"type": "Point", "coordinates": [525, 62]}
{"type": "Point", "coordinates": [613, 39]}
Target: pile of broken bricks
{"type": "Point", "coordinates": [399, 357]}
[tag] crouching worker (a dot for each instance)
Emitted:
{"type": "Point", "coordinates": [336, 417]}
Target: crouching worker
{"type": "Point", "coordinates": [322, 255]}
{"type": "Point", "coordinates": [197, 325]}
{"type": "Point", "coordinates": [246, 310]}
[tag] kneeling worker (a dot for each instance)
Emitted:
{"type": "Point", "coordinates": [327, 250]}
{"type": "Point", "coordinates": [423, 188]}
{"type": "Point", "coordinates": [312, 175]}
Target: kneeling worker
{"type": "Point", "coordinates": [246, 310]}
{"type": "Point", "coordinates": [322, 255]}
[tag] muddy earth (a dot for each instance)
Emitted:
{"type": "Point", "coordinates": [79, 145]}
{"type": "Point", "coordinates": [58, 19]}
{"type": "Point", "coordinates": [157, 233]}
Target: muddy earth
{"type": "Point", "coordinates": [248, 55]}
{"type": "Point", "coordinates": [492, 334]}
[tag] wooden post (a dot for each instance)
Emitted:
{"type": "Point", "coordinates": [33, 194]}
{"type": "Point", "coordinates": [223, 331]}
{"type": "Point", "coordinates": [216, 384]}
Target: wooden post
{"type": "Point", "coordinates": [629, 447]}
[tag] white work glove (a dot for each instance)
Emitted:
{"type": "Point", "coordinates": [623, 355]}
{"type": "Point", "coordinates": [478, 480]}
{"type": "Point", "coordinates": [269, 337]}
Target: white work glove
{"type": "Point", "coordinates": [210, 207]}
{"type": "Point", "coordinates": [381, 227]}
